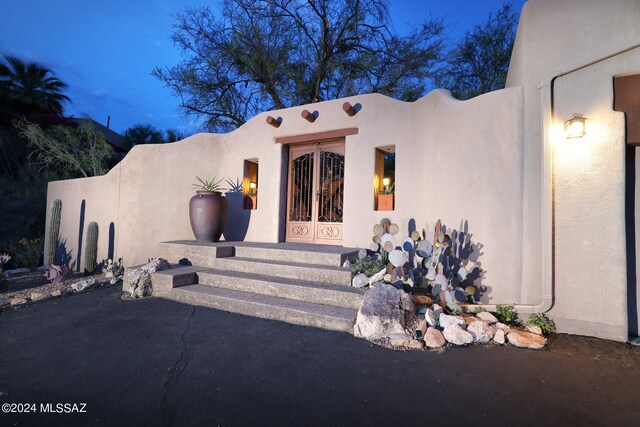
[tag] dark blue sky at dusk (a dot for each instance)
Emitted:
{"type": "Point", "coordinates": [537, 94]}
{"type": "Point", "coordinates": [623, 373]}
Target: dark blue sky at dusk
{"type": "Point", "coordinates": [106, 50]}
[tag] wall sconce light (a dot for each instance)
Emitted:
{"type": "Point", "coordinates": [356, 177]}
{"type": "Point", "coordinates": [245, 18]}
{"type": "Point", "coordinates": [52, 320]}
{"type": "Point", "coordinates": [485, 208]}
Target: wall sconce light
{"type": "Point", "coordinates": [386, 182]}
{"type": "Point", "coordinates": [575, 126]}
{"type": "Point", "coordinates": [252, 188]}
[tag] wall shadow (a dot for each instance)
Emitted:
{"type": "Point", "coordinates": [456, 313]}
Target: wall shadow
{"type": "Point", "coordinates": [630, 232]}
{"type": "Point", "coordinates": [238, 217]}
{"type": "Point", "coordinates": [80, 233]}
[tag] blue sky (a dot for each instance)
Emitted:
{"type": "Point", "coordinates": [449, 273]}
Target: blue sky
{"type": "Point", "coordinates": [105, 50]}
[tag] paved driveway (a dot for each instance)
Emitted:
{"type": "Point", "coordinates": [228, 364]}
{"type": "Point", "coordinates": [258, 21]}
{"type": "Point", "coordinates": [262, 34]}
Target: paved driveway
{"type": "Point", "coordinates": [156, 362]}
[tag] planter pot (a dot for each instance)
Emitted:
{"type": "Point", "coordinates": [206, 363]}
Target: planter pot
{"type": "Point", "coordinates": [207, 213]}
{"type": "Point", "coordinates": [385, 202]}
{"type": "Point", "coordinates": [250, 202]}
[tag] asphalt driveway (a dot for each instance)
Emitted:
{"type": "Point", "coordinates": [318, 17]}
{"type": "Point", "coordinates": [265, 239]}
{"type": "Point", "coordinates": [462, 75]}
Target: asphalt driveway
{"type": "Point", "coordinates": [155, 362]}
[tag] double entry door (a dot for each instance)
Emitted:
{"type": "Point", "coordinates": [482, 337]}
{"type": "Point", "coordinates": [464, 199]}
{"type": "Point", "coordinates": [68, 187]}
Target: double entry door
{"type": "Point", "coordinates": [316, 193]}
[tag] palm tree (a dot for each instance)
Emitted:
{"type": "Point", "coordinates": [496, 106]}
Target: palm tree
{"type": "Point", "coordinates": [30, 88]}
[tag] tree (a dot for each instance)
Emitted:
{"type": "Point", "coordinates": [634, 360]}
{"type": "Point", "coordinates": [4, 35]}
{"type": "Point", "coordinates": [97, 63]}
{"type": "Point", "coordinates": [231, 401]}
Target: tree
{"type": "Point", "coordinates": [71, 152]}
{"type": "Point", "coordinates": [173, 135]}
{"type": "Point", "coordinates": [143, 134]}
{"type": "Point", "coordinates": [30, 88]}
{"type": "Point", "coordinates": [266, 54]}
{"type": "Point", "coordinates": [480, 62]}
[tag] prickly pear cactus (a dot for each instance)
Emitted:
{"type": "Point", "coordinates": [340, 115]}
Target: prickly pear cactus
{"type": "Point", "coordinates": [91, 248]}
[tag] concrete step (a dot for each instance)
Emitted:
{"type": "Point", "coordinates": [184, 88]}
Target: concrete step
{"type": "Point", "coordinates": [294, 289]}
{"type": "Point", "coordinates": [205, 253]}
{"type": "Point", "coordinates": [332, 256]}
{"type": "Point", "coordinates": [286, 269]}
{"type": "Point", "coordinates": [266, 307]}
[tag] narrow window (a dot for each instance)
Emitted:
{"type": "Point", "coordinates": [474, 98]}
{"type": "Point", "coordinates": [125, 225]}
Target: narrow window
{"type": "Point", "coordinates": [250, 184]}
{"type": "Point", "coordinates": [384, 181]}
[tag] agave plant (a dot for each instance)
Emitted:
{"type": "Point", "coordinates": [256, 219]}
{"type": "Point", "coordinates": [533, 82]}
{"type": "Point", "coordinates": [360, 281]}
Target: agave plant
{"type": "Point", "coordinates": [209, 185]}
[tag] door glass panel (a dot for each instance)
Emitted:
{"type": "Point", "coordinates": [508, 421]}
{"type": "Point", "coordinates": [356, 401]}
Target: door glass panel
{"type": "Point", "coordinates": [331, 187]}
{"type": "Point", "coordinates": [301, 191]}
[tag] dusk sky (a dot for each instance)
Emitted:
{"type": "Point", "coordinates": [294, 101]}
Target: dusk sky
{"type": "Point", "coordinates": [105, 51]}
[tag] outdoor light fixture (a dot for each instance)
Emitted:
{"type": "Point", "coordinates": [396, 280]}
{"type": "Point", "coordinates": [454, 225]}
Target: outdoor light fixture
{"type": "Point", "coordinates": [252, 185]}
{"type": "Point", "coordinates": [575, 126]}
{"type": "Point", "coordinates": [386, 182]}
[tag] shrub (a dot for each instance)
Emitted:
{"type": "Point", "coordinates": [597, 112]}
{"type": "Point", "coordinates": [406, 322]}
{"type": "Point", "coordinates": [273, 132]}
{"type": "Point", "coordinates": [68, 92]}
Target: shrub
{"type": "Point", "coordinates": [547, 325]}
{"type": "Point", "coordinates": [507, 314]}
{"type": "Point", "coordinates": [479, 310]}
{"type": "Point", "coordinates": [368, 266]}
{"type": "Point", "coordinates": [27, 253]}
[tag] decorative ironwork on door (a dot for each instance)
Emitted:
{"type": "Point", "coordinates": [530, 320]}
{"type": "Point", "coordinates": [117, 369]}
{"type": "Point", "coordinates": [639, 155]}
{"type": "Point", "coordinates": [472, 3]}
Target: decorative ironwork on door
{"type": "Point", "coordinates": [316, 193]}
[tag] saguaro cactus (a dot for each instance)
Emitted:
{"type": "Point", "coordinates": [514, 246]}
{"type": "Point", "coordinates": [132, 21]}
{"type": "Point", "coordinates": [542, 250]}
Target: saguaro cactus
{"type": "Point", "coordinates": [91, 248]}
{"type": "Point", "coordinates": [54, 230]}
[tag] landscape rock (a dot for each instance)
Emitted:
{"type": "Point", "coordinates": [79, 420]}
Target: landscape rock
{"type": "Point", "coordinates": [359, 280]}
{"type": "Point", "coordinates": [433, 338]}
{"type": "Point", "coordinates": [384, 311]}
{"type": "Point", "coordinates": [469, 320]}
{"type": "Point", "coordinates": [456, 335]}
{"type": "Point", "coordinates": [422, 300]}
{"type": "Point", "coordinates": [504, 328]}
{"type": "Point", "coordinates": [447, 321]}
{"type": "Point", "coordinates": [4, 302]}
{"type": "Point", "coordinates": [17, 301]}
{"type": "Point", "coordinates": [36, 296]}
{"type": "Point", "coordinates": [499, 336]}
{"type": "Point", "coordinates": [430, 317]}
{"type": "Point", "coordinates": [404, 340]}
{"type": "Point", "coordinates": [524, 339]}
{"type": "Point", "coordinates": [139, 280]}
{"type": "Point", "coordinates": [534, 329]}
{"type": "Point", "coordinates": [346, 263]}
{"type": "Point", "coordinates": [485, 316]}
{"type": "Point", "coordinates": [56, 293]}
{"type": "Point", "coordinates": [85, 284]}
{"type": "Point", "coordinates": [481, 331]}
{"type": "Point", "coordinates": [378, 277]}
{"type": "Point", "coordinates": [437, 308]}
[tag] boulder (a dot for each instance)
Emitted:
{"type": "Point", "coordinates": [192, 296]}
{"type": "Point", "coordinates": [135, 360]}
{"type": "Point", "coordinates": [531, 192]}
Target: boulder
{"type": "Point", "coordinates": [433, 338]}
{"type": "Point", "coordinates": [524, 339]}
{"type": "Point", "coordinates": [499, 336]}
{"type": "Point", "coordinates": [534, 329]}
{"type": "Point", "coordinates": [139, 280]}
{"type": "Point", "coordinates": [504, 328]}
{"type": "Point", "coordinates": [17, 301]}
{"type": "Point", "coordinates": [485, 316]}
{"type": "Point", "coordinates": [437, 308]}
{"type": "Point", "coordinates": [422, 300]}
{"type": "Point", "coordinates": [378, 277]}
{"type": "Point", "coordinates": [37, 296]}
{"type": "Point", "coordinates": [359, 280]}
{"type": "Point", "coordinates": [384, 311]}
{"type": "Point", "coordinates": [56, 293]}
{"type": "Point", "coordinates": [456, 335]}
{"type": "Point", "coordinates": [404, 340]}
{"type": "Point", "coordinates": [83, 285]}
{"type": "Point", "coordinates": [481, 331]}
{"type": "Point", "coordinates": [446, 320]}
{"type": "Point", "coordinates": [469, 320]}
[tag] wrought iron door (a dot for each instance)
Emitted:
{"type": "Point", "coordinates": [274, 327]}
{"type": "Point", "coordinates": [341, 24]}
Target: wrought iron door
{"type": "Point", "coordinates": [316, 193]}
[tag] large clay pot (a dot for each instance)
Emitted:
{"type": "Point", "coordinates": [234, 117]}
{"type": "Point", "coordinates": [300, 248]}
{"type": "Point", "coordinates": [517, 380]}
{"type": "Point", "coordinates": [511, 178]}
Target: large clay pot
{"type": "Point", "coordinates": [207, 213]}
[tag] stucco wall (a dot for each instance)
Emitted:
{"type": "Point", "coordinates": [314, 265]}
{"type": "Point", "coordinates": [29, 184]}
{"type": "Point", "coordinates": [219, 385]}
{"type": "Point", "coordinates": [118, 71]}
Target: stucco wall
{"type": "Point", "coordinates": [446, 157]}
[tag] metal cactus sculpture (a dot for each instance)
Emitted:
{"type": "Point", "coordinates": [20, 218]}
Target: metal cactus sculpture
{"type": "Point", "coordinates": [54, 230]}
{"type": "Point", "coordinates": [443, 266]}
{"type": "Point", "coordinates": [91, 246]}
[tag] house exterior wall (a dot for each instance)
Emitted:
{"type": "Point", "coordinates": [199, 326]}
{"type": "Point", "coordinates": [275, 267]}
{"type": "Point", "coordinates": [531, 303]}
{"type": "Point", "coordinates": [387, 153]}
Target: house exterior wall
{"type": "Point", "coordinates": [497, 164]}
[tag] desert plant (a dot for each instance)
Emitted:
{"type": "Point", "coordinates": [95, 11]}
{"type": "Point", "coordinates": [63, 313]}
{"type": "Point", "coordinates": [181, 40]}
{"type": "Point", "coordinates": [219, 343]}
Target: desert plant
{"type": "Point", "coordinates": [54, 230]}
{"type": "Point", "coordinates": [209, 185]}
{"type": "Point", "coordinates": [368, 266]}
{"type": "Point", "coordinates": [389, 190]}
{"type": "Point", "coordinates": [547, 325]}
{"type": "Point", "coordinates": [91, 254]}
{"type": "Point", "coordinates": [507, 314]}
{"type": "Point", "coordinates": [478, 310]}
{"type": "Point", "coordinates": [26, 252]}
{"type": "Point", "coordinates": [56, 273]}
{"type": "Point", "coordinates": [112, 269]}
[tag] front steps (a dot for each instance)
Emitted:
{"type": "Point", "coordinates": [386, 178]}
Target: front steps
{"type": "Point", "coordinates": [294, 283]}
